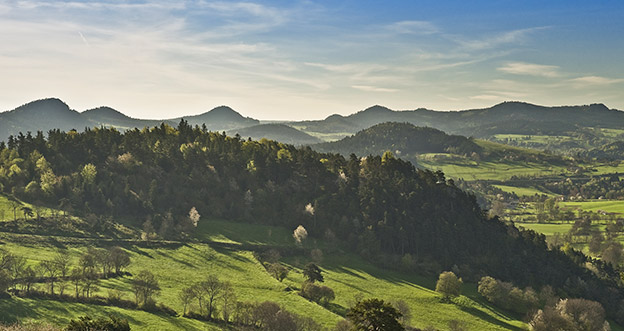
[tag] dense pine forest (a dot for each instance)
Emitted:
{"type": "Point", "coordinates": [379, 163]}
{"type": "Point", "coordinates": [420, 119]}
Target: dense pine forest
{"type": "Point", "coordinates": [383, 208]}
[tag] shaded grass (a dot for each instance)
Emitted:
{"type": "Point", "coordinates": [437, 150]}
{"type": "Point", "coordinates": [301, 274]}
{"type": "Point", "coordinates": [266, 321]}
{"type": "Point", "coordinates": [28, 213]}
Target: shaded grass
{"type": "Point", "coordinates": [243, 233]}
{"type": "Point", "coordinates": [60, 313]}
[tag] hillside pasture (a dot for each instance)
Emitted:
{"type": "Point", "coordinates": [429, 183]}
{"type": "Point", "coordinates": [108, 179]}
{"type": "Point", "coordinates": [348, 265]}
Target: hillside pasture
{"type": "Point", "coordinates": [179, 265]}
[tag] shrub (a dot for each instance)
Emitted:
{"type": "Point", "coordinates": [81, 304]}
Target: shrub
{"type": "Point", "coordinates": [448, 284]}
{"type": "Point", "coordinates": [110, 323]}
{"type": "Point", "coordinates": [507, 296]}
{"type": "Point", "coordinates": [571, 314]}
{"type": "Point", "coordinates": [317, 293]}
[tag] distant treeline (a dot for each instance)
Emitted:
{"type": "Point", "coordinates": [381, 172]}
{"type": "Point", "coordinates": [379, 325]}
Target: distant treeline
{"type": "Point", "coordinates": [379, 206]}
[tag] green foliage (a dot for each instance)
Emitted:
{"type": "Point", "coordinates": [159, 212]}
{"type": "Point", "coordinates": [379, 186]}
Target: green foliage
{"type": "Point", "coordinates": [374, 314]}
{"type": "Point", "coordinates": [571, 314]}
{"type": "Point", "coordinates": [507, 296]}
{"type": "Point", "coordinates": [313, 273]}
{"type": "Point", "coordinates": [111, 323]}
{"type": "Point", "coordinates": [317, 293]}
{"type": "Point", "coordinates": [449, 284]}
{"type": "Point", "coordinates": [145, 286]}
{"type": "Point", "coordinates": [5, 280]}
{"type": "Point", "coordinates": [278, 271]}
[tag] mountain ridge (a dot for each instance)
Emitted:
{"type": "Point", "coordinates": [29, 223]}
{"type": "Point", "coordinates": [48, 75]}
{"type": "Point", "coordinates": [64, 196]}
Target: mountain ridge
{"type": "Point", "coordinates": [510, 117]}
{"type": "Point", "coordinates": [53, 113]}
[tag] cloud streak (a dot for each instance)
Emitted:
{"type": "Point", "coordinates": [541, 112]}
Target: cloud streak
{"type": "Point", "coordinates": [413, 27]}
{"type": "Point", "coordinates": [368, 88]}
{"type": "Point", "coordinates": [530, 69]}
{"type": "Point", "coordinates": [594, 80]}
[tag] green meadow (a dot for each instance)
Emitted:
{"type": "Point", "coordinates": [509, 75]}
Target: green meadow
{"type": "Point", "coordinates": [608, 206]}
{"type": "Point", "coordinates": [522, 191]}
{"type": "Point", "coordinates": [486, 170]}
{"type": "Point", "coordinates": [222, 248]}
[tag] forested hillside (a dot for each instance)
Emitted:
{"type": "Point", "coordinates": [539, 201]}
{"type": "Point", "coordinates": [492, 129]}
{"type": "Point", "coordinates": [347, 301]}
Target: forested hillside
{"type": "Point", "coordinates": [381, 207]}
{"type": "Point", "coordinates": [413, 143]}
{"type": "Point", "coordinates": [402, 139]}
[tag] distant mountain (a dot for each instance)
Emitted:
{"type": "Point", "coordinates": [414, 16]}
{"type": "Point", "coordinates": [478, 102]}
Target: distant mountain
{"type": "Point", "coordinates": [403, 139]}
{"type": "Point", "coordinates": [279, 132]}
{"type": "Point", "coordinates": [504, 118]}
{"type": "Point", "coordinates": [46, 114]}
{"type": "Point", "coordinates": [220, 119]}
{"type": "Point", "coordinates": [576, 122]}
{"type": "Point", "coordinates": [40, 115]}
{"type": "Point", "coordinates": [109, 117]}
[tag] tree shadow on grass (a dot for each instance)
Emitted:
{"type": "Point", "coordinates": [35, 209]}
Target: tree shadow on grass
{"type": "Point", "coordinates": [352, 286]}
{"type": "Point", "coordinates": [232, 252]}
{"type": "Point", "coordinates": [344, 270]}
{"type": "Point", "coordinates": [139, 251]}
{"type": "Point", "coordinates": [489, 318]}
{"type": "Point", "coordinates": [175, 259]}
{"type": "Point", "coordinates": [394, 277]}
{"type": "Point", "coordinates": [337, 309]}
{"type": "Point", "coordinates": [57, 312]}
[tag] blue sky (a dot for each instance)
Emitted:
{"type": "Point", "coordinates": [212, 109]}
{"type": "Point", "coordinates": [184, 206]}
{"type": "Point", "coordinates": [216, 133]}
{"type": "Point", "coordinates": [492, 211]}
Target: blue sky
{"type": "Point", "coordinates": [309, 59]}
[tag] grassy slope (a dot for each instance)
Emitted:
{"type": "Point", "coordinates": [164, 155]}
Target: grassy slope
{"type": "Point", "coordinates": [180, 266]}
{"type": "Point", "coordinates": [468, 169]}
{"type": "Point", "coordinates": [522, 191]}
{"type": "Point", "coordinates": [60, 313]}
{"type": "Point", "coordinates": [609, 206]}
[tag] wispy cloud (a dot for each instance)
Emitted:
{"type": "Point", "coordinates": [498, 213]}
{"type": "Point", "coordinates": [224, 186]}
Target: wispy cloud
{"type": "Point", "coordinates": [413, 27]}
{"type": "Point", "coordinates": [514, 38]}
{"type": "Point", "coordinates": [594, 80]}
{"type": "Point", "coordinates": [83, 38]}
{"type": "Point", "coordinates": [488, 97]}
{"type": "Point", "coordinates": [373, 88]}
{"type": "Point", "coordinates": [530, 69]}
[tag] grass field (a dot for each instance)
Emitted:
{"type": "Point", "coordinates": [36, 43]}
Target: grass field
{"type": "Point", "coordinates": [471, 170]}
{"type": "Point", "coordinates": [177, 267]}
{"type": "Point", "coordinates": [522, 191]}
{"type": "Point", "coordinates": [609, 206]}
{"type": "Point", "coordinates": [608, 168]}
{"type": "Point", "coordinates": [547, 229]}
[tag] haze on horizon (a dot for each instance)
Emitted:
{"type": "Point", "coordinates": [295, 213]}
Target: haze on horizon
{"type": "Point", "coordinates": [309, 59]}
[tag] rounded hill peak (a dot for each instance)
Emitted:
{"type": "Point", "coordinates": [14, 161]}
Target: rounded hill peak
{"type": "Point", "coordinates": [44, 107]}
{"type": "Point", "coordinates": [378, 108]}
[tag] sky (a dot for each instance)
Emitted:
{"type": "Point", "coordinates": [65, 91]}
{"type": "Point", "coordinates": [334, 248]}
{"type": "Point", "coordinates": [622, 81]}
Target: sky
{"type": "Point", "coordinates": [294, 60]}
